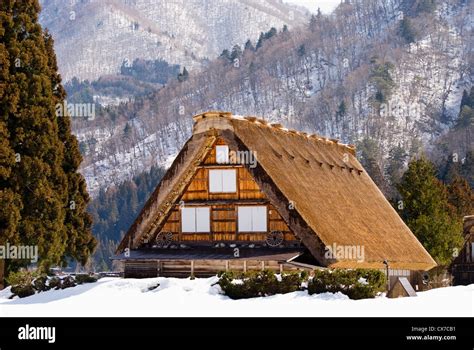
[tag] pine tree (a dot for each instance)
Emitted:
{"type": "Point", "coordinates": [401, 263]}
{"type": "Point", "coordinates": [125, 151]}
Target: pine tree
{"type": "Point", "coordinates": [313, 23]}
{"type": "Point", "coordinates": [260, 40]}
{"type": "Point", "coordinates": [467, 98]}
{"type": "Point", "coordinates": [225, 55]}
{"type": "Point", "coordinates": [43, 181]}
{"type": "Point", "coordinates": [301, 50]}
{"type": "Point", "coordinates": [427, 212]}
{"type": "Point", "coordinates": [183, 76]}
{"type": "Point", "coordinates": [467, 168]}
{"type": "Point", "coordinates": [406, 30]}
{"type": "Point", "coordinates": [236, 52]}
{"type": "Point", "coordinates": [368, 152]}
{"type": "Point", "coordinates": [396, 162]}
{"type": "Point", "coordinates": [461, 197]}
{"type": "Point", "coordinates": [249, 46]}
{"type": "Point", "coordinates": [341, 111]}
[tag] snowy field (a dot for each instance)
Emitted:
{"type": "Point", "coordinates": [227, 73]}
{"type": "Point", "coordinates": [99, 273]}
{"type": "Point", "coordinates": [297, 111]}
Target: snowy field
{"type": "Point", "coordinates": [185, 297]}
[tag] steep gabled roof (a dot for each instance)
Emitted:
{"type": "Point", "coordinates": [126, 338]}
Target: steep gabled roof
{"type": "Point", "coordinates": [335, 201]}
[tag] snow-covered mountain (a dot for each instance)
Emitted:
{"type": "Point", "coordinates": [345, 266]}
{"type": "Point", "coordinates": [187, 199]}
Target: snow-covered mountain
{"type": "Point", "coordinates": [95, 37]}
{"type": "Point", "coordinates": [351, 75]}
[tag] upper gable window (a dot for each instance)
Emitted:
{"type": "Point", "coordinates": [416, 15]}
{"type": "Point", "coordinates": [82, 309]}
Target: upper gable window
{"type": "Point", "coordinates": [222, 180]}
{"type": "Point", "coordinates": [222, 154]}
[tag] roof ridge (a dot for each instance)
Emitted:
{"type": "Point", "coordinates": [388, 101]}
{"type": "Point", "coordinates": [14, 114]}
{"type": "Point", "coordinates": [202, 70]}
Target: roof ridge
{"type": "Point", "coordinates": [277, 126]}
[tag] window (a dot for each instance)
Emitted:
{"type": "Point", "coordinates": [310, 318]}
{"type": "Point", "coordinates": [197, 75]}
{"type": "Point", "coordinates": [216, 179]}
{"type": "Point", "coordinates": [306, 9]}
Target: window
{"type": "Point", "coordinates": [222, 154]}
{"type": "Point", "coordinates": [195, 220]}
{"type": "Point", "coordinates": [222, 180]}
{"type": "Point", "coordinates": [252, 219]}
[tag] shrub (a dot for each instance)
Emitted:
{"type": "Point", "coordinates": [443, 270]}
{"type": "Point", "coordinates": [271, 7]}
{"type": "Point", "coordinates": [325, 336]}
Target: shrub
{"type": "Point", "coordinates": [25, 283]}
{"type": "Point", "coordinates": [22, 282]}
{"type": "Point", "coordinates": [356, 284]}
{"type": "Point", "coordinates": [84, 278]}
{"type": "Point", "coordinates": [41, 284]}
{"type": "Point", "coordinates": [55, 282]}
{"type": "Point", "coordinates": [68, 282]}
{"type": "Point", "coordinates": [259, 283]}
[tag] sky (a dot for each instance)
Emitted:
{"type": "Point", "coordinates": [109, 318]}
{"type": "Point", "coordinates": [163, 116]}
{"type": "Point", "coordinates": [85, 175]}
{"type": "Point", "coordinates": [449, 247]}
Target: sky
{"type": "Point", "coordinates": [326, 6]}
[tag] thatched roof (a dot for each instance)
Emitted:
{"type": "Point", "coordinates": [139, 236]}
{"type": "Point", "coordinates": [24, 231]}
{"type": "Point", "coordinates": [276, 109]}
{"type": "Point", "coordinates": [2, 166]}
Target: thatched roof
{"type": "Point", "coordinates": [336, 202]}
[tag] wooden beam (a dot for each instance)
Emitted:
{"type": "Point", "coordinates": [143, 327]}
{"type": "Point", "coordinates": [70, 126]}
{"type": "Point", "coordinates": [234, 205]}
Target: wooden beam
{"type": "Point", "coordinates": [192, 268]}
{"type": "Point", "coordinates": [226, 202]}
{"type": "Point", "coordinates": [219, 166]}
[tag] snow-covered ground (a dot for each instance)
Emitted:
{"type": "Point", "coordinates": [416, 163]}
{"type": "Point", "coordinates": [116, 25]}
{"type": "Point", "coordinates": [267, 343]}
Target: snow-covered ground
{"type": "Point", "coordinates": [185, 297]}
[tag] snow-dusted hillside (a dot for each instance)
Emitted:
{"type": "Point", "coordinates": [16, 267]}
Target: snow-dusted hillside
{"type": "Point", "coordinates": [300, 78]}
{"type": "Point", "coordinates": [185, 297]}
{"type": "Point", "coordinates": [94, 37]}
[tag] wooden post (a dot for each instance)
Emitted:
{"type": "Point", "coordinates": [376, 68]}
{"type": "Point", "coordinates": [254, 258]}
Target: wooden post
{"type": "Point", "coordinates": [245, 265]}
{"type": "Point", "coordinates": [192, 268]}
{"type": "Point", "coordinates": [263, 265]}
{"type": "Point", "coordinates": [281, 268]}
{"type": "Point", "coordinates": [226, 265]}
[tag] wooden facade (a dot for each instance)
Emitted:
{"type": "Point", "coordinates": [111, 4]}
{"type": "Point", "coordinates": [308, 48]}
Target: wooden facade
{"type": "Point", "coordinates": [224, 208]}
{"type": "Point", "coordinates": [223, 232]}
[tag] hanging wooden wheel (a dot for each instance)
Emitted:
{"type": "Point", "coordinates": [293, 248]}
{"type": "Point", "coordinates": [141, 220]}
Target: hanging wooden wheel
{"type": "Point", "coordinates": [274, 238]}
{"type": "Point", "coordinates": [164, 239]}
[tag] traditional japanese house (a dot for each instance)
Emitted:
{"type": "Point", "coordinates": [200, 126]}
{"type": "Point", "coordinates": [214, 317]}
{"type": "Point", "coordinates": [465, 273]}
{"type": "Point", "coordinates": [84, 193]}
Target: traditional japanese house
{"type": "Point", "coordinates": [245, 194]}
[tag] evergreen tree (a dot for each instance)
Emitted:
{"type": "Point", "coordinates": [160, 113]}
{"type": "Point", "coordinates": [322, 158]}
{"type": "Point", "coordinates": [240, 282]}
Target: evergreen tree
{"type": "Point", "coordinates": [183, 76]}
{"type": "Point", "coordinates": [341, 111]}
{"type": "Point", "coordinates": [467, 168]}
{"type": "Point", "coordinates": [249, 46]}
{"type": "Point", "coordinates": [461, 197]}
{"type": "Point", "coordinates": [236, 52]}
{"type": "Point", "coordinates": [225, 55]}
{"type": "Point", "coordinates": [427, 212]}
{"type": "Point", "coordinates": [115, 209]}
{"type": "Point", "coordinates": [39, 185]}
{"type": "Point", "coordinates": [406, 30]}
{"type": "Point", "coordinates": [396, 162]}
{"type": "Point", "coordinates": [465, 118]}
{"type": "Point", "coordinates": [368, 153]}
{"type": "Point", "coordinates": [260, 40]}
{"type": "Point", "coordinates": [467, 99]}
{"type": "Point", "coordinates": [301, 50]}
{"type": "Point", "coordinates": [313, 23]}
{"type": "Point", "coordinates": [382, 80]}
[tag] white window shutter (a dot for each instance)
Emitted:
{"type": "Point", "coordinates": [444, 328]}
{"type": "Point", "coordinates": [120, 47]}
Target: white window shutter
{"type": "Point", "coordinates": [259, 219]}
{"type": "Point", "coordinates": [188, 220]}
{"type": "Point", "coordinates": [203, 223]}
{"type": "Point", "coordinates": [229, 180]}
{"type": "Point", "coordinates": [245, 219]}
{"type": "Point", "coordinates": [215, 181]}
{"type": "Point", "coordinates": [222, 154]}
